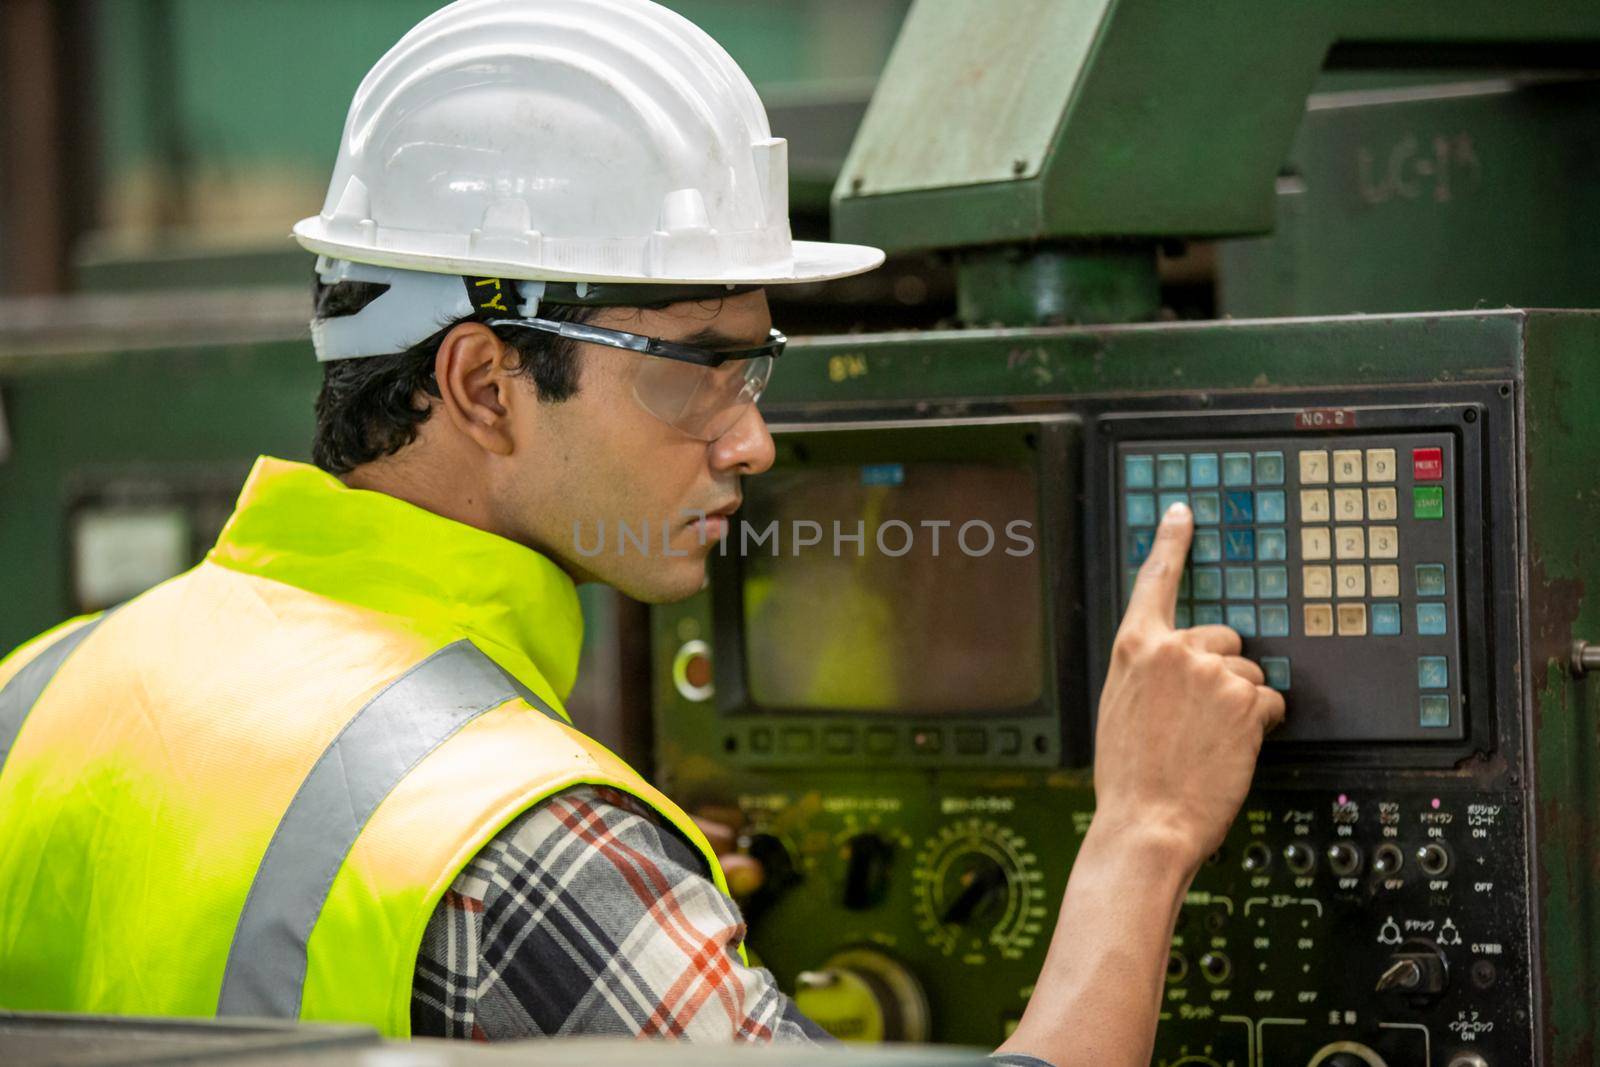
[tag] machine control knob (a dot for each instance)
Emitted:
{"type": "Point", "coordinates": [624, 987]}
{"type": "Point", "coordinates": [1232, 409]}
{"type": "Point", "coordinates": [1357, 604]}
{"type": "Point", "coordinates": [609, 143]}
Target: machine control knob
{"type": "Point", "coordinates": [866, 878]}
{"type": "Point", "coordinates": [979, 893]}
{"type": "Point", "coordinates": [1468, 1059]}
{"type": "Point", "coordinates": [778, 866]}
{"type": "Point", "coordinates": [863, 995]}
{"type": "Point", "coordinates": [1418, 968]}
{"type": "Point", "coordinates": [1346, 1054]}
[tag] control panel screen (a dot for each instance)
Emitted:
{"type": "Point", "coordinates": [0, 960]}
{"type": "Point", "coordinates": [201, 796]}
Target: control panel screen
{"type": "Point", "coordinates": [1334, 557]}
{"type": "Point", "coordinates": [893, 587]}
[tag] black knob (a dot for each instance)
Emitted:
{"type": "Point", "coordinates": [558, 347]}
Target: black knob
{"type": "Point", "coordinates": [980, 893]}
{"type": "Point", "coordinates": [781, 874]}
{"type": "Point", "coordinates": [866, 877]}
{"type": "Point", "coordinates": [1417, 969]}
{"type": "Point", "coordinates": [1345, 1059]}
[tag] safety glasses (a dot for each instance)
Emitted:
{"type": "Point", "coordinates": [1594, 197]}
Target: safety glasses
{"type": "Point", "coordinates": [703, 392]}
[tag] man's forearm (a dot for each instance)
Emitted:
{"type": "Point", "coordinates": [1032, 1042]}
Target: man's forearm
{"type": "Point", "coordinates": [1098, 995]}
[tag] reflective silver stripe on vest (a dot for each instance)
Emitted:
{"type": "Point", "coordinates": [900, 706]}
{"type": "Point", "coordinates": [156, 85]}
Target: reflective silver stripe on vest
{"type": "Point", "coordinates": [410, 718]}
{"type": "Point", "coordinates": [23, 691]}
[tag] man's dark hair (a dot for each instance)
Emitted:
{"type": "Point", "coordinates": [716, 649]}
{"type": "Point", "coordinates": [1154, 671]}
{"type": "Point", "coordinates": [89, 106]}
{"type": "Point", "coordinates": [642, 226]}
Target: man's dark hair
{"type": "Point", "coordinates": [368, 407]}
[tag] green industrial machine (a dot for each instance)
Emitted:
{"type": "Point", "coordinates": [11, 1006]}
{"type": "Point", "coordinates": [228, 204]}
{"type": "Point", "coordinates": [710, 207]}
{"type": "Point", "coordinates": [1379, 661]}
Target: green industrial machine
{"type": "Point", "coordinates": [1395, 510]}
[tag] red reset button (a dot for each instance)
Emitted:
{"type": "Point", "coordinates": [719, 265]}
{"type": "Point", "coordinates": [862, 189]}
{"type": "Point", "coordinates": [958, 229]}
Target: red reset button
{"type": "Point", "coordinates": [1427, 464]}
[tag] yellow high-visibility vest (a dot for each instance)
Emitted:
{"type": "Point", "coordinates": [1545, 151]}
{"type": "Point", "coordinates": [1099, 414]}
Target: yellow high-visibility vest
{"type": "Point", "coordinates": [245, 791]}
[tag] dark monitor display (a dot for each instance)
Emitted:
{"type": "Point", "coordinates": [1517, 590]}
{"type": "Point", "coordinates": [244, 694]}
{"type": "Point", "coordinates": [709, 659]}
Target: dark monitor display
{"type": "Point", "coordinates": [920, 594]}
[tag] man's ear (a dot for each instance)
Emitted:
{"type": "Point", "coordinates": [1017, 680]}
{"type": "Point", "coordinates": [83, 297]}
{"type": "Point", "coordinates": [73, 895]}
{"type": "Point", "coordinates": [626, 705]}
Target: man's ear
{"type": "Point", "coordinates": [475, 372]}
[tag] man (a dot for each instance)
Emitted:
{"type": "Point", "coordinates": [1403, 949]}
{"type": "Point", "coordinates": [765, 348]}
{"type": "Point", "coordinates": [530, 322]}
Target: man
{"type": "Point", "coordinates": [326, 774]}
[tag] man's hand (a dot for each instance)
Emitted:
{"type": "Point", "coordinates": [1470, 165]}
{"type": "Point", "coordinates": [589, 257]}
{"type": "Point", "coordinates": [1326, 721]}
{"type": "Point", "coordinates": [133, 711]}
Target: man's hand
{"type": "Point", "coordinates": [1182, 716]}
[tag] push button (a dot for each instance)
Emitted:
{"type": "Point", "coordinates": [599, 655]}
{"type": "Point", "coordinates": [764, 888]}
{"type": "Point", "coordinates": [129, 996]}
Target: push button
{"type": "Point", "coordinates": [1434, 711]}
{"type": "Point", "coordinates": [1433, 672]}
{"type": "Point", "coordinates": [1271, 507]}
{"type": "Point", "coordinates": [1385, 580]}
{"type": "Point", "coordinates": [1313, 467]}
{"type": "Point", "coordinates": [1427, 464]}
{"type": "Point", "coordinates": [1382, 504]}
{"type": "Point", "coordinates": [1271, 544]}
{"type": "Point", "coordinates": [1316, 542]}
{"type": "Point", "coordinates": [839, 741]}
{"type": "Point", "coordinates": [928, 741]}
{"type": "Point", "coordinates": [1207, 547]}
{"type": "Point", "coordinates": [797, 742]}
{"type": "Point", "coordinates": [1269, 468]}
{"type": "Point", "coordinates": [1238, 509]}
{"type": "Point", "coordinates": [1430, 579]}
{"type": "Point", "coordinates": [1276, 668]}
{"type": "Point", "coordinates": [1314, 505]}
{"type": "Point", "coordinates": [1351, 542]}
{"type": "Point", "coordinates": [1272, 583]}
{"type": "Point", "coordinates": [1207, 510]}
{"type": "Point", "coordinates": [1139, 472]}
{"type": "Point", "coordinates": [1316, 582]}
{"type": "Point", "coordinates": [1240, 583]}
{"type": "Point", "coordinates": [1386, 620]}
{"type": "Point", "coordinates": [970, 742]}
{"type": "Point", "coordinates": [1242, 619]}
{"type": "Point", "coordinates": [1203, 470]}
{"type": "Point", "coordinates": [761, 739]}
{"type": "Point", "coordinates": [1207, 583]}
{"type": "Point", "coordinates": [1431, 620]}
{"type": "Point", "coordinates": [1166, 500]}
{"type": "Point", "coordinates": [1181, 619]}
{"type": "Point", "coordinates": [1140, 509]}
{"type": "Point", "coordinates": [1008, 742]}
{"type": "Point", "coordinates": [1274, 620]}
{"type": "Point", "coordinates": [1208, 614]}
{"type": "Point", "coordinates": [1352, 620]}
{"type": "Point", "coordinates": [1385, 542]}
{"type": "Point", "coordinates": [1347, 505]}
{"type": "Point", "coordinates": [1319, 620]}
{"type": "Point", "coordinates": [1347, 465]}
{"type": "Point", "coordinates": [880, 741]}
{"type": "Point", "coordinates": [1236, 468]}
{"type": "Point", "coordinates": [1172, 471]}
{"type": "Point", "coordinates": [1239, 546]}
{"type": "Point", "coordinates": [1380, 464]}
{"type": "Point", "coordinates": [1351, 580]}
{"type": "Point", "coordinates": [1427, 502]}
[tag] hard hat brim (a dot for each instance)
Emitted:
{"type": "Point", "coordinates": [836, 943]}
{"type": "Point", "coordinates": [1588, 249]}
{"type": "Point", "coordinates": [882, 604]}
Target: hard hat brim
{"type": "Point", "coordinates": [813, 261]}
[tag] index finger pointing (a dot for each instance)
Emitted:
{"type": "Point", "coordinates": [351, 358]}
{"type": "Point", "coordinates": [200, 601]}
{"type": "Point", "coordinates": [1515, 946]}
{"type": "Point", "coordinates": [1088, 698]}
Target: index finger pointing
{"type": "Point", "coordinates": [1155, 593]}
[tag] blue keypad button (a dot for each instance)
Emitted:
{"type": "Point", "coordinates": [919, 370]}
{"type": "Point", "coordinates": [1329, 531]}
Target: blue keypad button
{"type": "Point", "coordinates": [1139, 472]}
{"type": "Point", "coordinates": [1172, 471]}
{"type": "Point", "coordinates": [1435, 710]}
{"type": "Point", "coordinates": [1386, 620]}
{"type": "Point", "coordinates": [1141, 509]}
{"type": "Point", "coordinates": [1238, 509]}
{"type": "Point", "coordinates": [1241, 618]}
{"type": "Point", "coordinates": [1239, 546]}
{"type": "Point", "coordinates": [1203, 470]}
{"type": "Point", "coordinates": [1433, 672]}
{"type": "Point", "coordinates": [1271, 506]}
{"type": "Point", "coordinates": [1207, 509]}
{"type": "Point", "coordinates": [1276, 668]}
{"type": "Point", "coordinates": [1430, 579]}
{"type": "Point", "coordinates": [1207, 547]}
{"type": "Point", "coordinates": [1272, 583]}
{"type": "Point", "coordinates": [1240, 583]}
{"type": "Point", "coordinates": [1274, 620]}
{"type": "Point", "coordinates": [1208, 614]}
{"type": "Point", "coordinates": [1272, 544]}
{"type": "Point", "coordinates": [1207, 583]}
{"type": "Point", "coordinates": [1236, 468]}
{"type": "Point", "coordinates": [1139, 542]}
{"type": "Point", "coordinates": [1166, 500]}
{"type": "Point", "coordinates": [1430, 620]}
{"type": "Point", "coordinates": [1269, 468]}
{"type": "Point", "coordinates": [1181, 619]}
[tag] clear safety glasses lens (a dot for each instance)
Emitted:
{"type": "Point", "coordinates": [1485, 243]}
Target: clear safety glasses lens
{"type": "Point", "coordinates": [703, 402]}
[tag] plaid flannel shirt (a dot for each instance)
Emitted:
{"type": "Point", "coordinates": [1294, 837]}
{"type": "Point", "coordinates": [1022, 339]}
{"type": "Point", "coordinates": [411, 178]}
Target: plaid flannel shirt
{"type": "Point", "coordinates": [588, 915]}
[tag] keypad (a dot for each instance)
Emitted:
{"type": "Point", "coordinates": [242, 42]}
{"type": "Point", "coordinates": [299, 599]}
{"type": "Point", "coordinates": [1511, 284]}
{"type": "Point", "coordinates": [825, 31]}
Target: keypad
{"type": "Point", "coordinates": [1332, 556]}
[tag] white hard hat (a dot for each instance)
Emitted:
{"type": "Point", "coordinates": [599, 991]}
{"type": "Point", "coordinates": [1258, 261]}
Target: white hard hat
{"type": "Point", "coordinates": [566, 140]}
